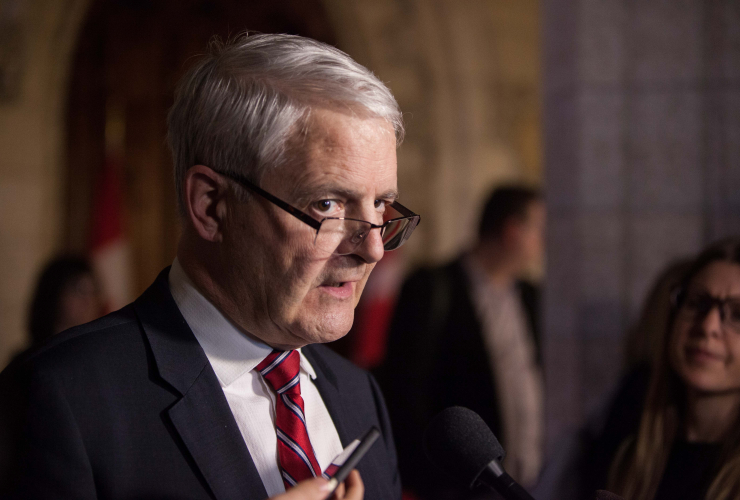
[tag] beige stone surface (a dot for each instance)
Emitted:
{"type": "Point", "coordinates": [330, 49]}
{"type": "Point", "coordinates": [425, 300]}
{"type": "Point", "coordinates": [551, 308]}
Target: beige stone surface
{"type": "Point", "coordinates": [31, 162]}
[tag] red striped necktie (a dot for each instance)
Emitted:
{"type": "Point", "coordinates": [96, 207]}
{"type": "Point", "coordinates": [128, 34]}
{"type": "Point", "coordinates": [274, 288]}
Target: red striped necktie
{"type": "Point", "coordinates": [281, 369]}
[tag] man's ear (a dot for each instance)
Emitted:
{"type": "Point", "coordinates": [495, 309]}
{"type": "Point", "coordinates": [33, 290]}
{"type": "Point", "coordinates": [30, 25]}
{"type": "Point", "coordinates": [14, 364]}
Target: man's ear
{"type": "Point", "coordinates": [205, 201]}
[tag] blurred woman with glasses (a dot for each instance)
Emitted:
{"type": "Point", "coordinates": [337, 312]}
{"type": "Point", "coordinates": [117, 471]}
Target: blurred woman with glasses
{"type": "Point", "coordinates": [687, 445]}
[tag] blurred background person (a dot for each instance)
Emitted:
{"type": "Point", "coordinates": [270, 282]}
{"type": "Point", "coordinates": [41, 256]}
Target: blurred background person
{"type": "Point", "coordinates": [687, 444]}
{"type": "Point", "coordinates": [464, 334]}
{"type": "Point", "coordinates": [671, 430]}
{"type": "Point", "coordinates": [581, 462]}
{"type": "Point", "coordinates": [66, 295]}
{"type": "Point", "coordinates": [660, 392]}
{"type": "Point", "coordinates": [643, 345]}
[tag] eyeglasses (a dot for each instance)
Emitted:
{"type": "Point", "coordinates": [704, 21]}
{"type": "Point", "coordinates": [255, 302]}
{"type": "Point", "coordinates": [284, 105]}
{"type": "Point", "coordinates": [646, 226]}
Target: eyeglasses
{"type": "Point", "coordinates": [342, 235]}
{"type": "Point", "coordinates": [695, 306]}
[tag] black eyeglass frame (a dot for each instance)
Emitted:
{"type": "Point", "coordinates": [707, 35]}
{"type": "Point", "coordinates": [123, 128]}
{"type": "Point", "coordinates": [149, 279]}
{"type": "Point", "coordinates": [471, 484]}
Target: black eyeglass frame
{"type": "Point", "coordinates": [315, 224]}
{"type": "Point", "coordinates": [679, 295]}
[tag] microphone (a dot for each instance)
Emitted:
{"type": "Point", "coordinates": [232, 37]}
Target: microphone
{"type": "Point", "coordinates": [457, 440]}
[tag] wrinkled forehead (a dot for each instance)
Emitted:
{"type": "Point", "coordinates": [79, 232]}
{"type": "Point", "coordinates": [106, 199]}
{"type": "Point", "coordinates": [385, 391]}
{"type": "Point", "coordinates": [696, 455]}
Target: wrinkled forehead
{"type": "Point", "coordinates": [720, 278]}
{"type": "Point", "coordinates": [343, 149]}
{"type": "Point", "coordinates": [331, 129]}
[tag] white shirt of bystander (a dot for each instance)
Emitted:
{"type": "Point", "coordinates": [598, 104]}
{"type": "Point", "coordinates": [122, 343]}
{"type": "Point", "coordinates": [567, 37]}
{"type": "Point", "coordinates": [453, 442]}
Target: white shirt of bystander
{"type": "Point", "coordinates": [516, 376]}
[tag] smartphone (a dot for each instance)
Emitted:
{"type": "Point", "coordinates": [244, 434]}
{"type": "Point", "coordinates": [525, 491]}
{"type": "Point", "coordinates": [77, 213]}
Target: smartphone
{"type": "Point", "coordinates": [343, 464]}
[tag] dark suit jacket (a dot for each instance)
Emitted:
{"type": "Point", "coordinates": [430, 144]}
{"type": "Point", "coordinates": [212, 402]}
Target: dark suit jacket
{"type": "Point", "coordinates": [436, 359]}
{"type": "Point", "coordinates": [128, 406]}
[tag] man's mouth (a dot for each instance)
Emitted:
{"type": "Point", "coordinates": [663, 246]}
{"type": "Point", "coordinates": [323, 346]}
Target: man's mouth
{"type": "Point", "coordinates": [338, 289]}
{"type": "Point", "coordinates": [339, 283]}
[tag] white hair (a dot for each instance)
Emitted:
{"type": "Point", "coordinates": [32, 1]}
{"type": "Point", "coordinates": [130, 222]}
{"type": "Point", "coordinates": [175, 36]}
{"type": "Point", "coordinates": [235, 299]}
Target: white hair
{"type": "Point", "coordinates": [236, 109]}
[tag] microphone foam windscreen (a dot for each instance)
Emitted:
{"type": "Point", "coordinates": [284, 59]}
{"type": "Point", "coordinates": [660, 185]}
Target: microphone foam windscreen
{"type": "Point", "coordinates": [459, 442]}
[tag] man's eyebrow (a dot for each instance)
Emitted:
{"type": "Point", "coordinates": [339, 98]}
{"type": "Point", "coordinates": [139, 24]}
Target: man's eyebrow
{"type": "Point", "coordinates": [391, 194]}
{"type": "Point", "coordinates": [306, 194]}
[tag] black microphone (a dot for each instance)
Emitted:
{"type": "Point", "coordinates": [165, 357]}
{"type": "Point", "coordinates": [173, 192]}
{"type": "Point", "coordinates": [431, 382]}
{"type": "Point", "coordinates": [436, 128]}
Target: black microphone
{"type": "Point", "coordinates": [458, 441]}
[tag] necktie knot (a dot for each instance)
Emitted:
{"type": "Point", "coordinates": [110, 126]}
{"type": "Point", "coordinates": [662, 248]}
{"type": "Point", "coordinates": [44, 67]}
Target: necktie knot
{"type": "Point", "coordinates": [281, 370]}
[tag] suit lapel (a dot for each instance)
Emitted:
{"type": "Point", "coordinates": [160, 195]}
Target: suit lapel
{"type": "Point", "coordinates": [202, 416]}
{"type": "Point", "coordinates": [212, 437]}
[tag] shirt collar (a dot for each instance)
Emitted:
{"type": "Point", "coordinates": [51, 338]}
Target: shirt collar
{"type": "Point", "coordinates": [477, 276]}
{"type": "Point", "coordinates": [231, 352]}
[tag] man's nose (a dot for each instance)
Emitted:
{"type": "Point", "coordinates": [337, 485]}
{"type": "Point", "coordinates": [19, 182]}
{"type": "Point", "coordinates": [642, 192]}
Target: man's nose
{"type": "Point", "coordinates": [371, 249]}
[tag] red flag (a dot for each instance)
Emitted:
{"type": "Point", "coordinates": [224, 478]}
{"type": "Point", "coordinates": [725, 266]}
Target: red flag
{"type": "Point", "coordinates": [374, 312]}
{"type": "Point", "coordinates": [109, 247]}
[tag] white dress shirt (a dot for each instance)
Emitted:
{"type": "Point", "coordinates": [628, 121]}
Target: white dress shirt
{"type": "Point", "coordinates": [516, 376]}
{"type": "Point", "coordinates": [233, 356]}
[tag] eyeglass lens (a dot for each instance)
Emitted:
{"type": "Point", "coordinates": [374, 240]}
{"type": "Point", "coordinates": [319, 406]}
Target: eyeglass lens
{"type": "Point", "coordinates": [698, 305]}
{"type": "Point", "coordinates": [343, 236]}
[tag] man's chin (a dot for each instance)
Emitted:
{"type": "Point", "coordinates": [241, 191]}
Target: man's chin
{"type": "Point", "coordinates": [297, 336]}
{"type": "Point", "coordinates": [330, 336]}
{"type": "Point", "coordinates": [328, 331]}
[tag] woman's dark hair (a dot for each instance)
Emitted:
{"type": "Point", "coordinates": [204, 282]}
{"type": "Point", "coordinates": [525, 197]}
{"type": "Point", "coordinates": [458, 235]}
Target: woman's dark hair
{"type": "Point", "coordinates": [727, 250]}
{"type": "Point", "coordinates": [55, 277]}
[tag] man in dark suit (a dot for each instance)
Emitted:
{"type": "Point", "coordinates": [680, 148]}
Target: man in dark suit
{"type": "Point", "coordinates": [213, 384]}
{"type": "Point", "coordinates": [464, 334]}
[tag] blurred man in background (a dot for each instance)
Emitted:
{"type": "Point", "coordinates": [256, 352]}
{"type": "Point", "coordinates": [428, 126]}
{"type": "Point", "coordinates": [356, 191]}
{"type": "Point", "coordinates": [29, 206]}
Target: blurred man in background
{"type": "Point", "coordinates": [465, 334]}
